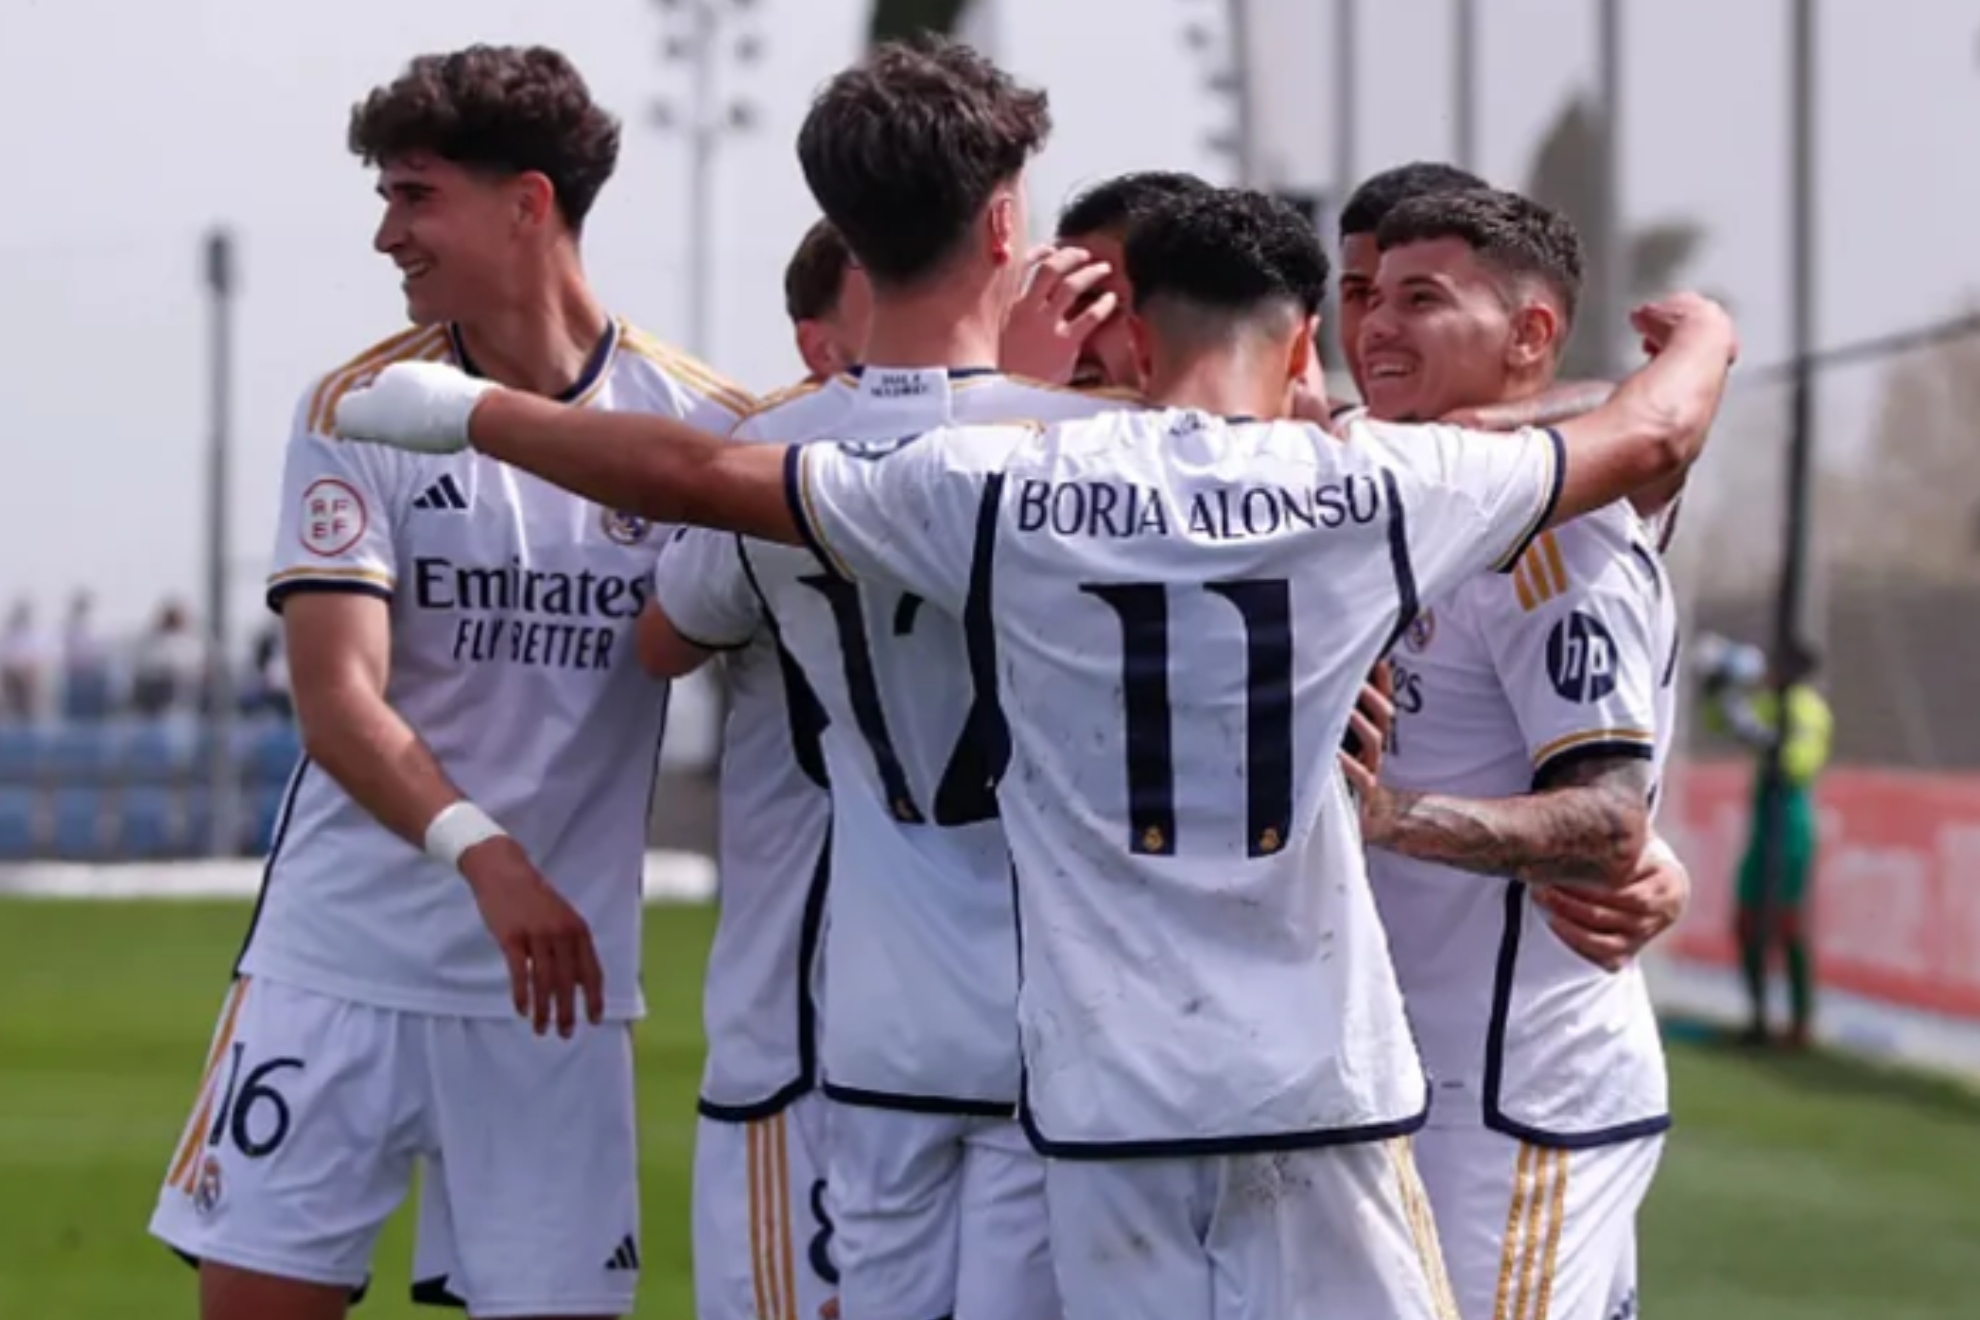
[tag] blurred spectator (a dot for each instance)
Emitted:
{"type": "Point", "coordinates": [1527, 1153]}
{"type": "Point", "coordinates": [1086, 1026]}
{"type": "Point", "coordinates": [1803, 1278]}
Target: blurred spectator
{"type": "Point", "coordinates": [1744, 691]}
{"type": "Point", "coordinates": [24, 663]}
{"type": "Point", "coordinates": [85, 663]}
{"type": "Point", "coordinates": [268, 688]}
{"type": "Point", "coordinates": [168, 671]}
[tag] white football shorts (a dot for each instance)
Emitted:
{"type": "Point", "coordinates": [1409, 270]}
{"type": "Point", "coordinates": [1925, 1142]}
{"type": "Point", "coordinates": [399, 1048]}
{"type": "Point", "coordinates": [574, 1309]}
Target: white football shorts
{"type": "Point", "coordinates": [1538, 1232]}
{"type": "Point", "coordinates": [315, 1111]}
{"type": "Point", "coordinates": [1313, 1234]}
{"type": "Point", "coordinates": [938, 1215]}
{"type": "Point", "coordinates": [764, 1243]}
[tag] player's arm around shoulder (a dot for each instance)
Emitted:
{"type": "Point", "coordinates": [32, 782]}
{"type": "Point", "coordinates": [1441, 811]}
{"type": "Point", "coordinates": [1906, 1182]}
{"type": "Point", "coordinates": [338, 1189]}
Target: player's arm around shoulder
{"type": "Point", "coordinates": [1571, 636]}
{"type": "Point", "coordinates": [646, 462]}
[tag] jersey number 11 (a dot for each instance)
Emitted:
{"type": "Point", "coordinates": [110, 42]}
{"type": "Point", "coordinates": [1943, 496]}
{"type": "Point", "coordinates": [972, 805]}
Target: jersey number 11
{"type": "Point", "coordinates": [1265, 608]}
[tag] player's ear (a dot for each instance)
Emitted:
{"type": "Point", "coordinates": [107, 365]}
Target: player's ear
{"type": "Point", "coordinates": [1143, 344]}
{"type": "Point", "coordinates": [1301, 351]}
{"type": "Point", "coordinates": [536, 199]}
{"type": "Point", "coordinates": [1537, 332]}
{"type": "Point", "coordinates": [816, 346]}
{"type": "Point", "coordinates": [1005, 227]}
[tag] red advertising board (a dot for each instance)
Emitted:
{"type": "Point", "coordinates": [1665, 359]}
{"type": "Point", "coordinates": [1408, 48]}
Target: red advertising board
{"type": "Point", "coordinates": [1896, 890]}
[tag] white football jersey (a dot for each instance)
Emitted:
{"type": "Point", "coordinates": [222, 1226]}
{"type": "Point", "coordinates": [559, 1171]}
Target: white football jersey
{"type": "Point", "coordinates": [920, 945]}
{"type": "Point", "coordinates": [760, 999]}
{"type": "Point", "coordinates": [1175, 613]}
{"type": "Point", "coordinates": [512, 611]}
{"type": "Point", "coordinates": [1500, 683]}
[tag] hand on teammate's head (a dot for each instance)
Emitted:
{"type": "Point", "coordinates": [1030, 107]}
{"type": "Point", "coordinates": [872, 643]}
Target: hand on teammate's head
{"type": "Point", "coordinates": [1061, 306]}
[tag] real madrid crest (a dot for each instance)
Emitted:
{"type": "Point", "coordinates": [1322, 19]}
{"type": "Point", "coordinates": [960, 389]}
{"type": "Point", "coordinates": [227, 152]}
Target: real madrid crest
{"type": "Point", "coordinates": [1422, 630]}
{"type": "Point", "coordinates": [206, 1192]}
{"type": "Point", "coordinates": [624, 528]}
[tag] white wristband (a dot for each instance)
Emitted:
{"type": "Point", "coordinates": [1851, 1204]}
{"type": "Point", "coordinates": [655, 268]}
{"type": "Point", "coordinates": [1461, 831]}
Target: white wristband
{"type": "Point", "coordinates": [458, 827]}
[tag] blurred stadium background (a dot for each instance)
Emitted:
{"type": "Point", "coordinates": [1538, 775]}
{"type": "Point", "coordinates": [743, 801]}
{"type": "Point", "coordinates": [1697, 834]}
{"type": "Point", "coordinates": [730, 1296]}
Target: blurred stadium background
{"type": "Point", "coordinates": [149, 760]}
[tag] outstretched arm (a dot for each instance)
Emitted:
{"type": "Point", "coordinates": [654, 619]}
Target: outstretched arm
{"type": "Point", "coordinates": [1549, 408]}
{"type": "Point", "coordinates": [1586, 828]}
{"type": "Point", "coordinates": [639, 463]}
{"type": "Point", "coordinates": [633, 462]}
{"type": "Point", "coordinates": [1563, 403]}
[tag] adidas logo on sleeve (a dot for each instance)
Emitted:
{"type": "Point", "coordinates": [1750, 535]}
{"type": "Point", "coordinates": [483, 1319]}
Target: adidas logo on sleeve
{"type": "Point", "coordinates": [442, 494]}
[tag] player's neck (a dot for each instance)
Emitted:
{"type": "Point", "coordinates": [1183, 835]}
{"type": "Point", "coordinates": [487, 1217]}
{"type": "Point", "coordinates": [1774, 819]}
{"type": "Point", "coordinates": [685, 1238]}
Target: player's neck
{"type": "Point", "coordinates": [539, 342]}
{"type": "Point", "coordinates": [943, 325]}
{"type": "Point", "coordinates": [1520, 389]}
{"type": "Point", "coordinates": [1219, 385]}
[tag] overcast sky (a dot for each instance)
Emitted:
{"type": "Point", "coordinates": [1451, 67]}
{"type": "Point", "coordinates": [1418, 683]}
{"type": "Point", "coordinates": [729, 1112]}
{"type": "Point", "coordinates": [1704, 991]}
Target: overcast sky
{"type": "Point", "coordinates": [135, 125]}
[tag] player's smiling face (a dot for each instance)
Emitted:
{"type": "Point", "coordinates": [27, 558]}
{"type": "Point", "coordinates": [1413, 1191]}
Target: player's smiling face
{"type": "Point", "coordinates": [1437, 334]}
{"type": "Point", "coordinates": [451, 233]}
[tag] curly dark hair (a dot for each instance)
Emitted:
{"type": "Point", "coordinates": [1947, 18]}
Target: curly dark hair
{"type": "Point", "coordinates": [816, 274]}
{"type": "Point", "coordinates": [1118, 203]}
{"type": "Point", "coordinates": [904, 150]}
{"type": "Point", "coordinates": [500, 109]}
{"type": "Point", "coordinates": [1230, 250]}
{"type": "Point", "coordinates": [1512, 235]}
{"type": "Point", "coordinates": [1382, 193]}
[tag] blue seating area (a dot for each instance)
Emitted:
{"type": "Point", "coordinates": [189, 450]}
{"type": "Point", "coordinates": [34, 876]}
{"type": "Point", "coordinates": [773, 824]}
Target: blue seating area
{"type": "Point", "coordinates": [116, 790]}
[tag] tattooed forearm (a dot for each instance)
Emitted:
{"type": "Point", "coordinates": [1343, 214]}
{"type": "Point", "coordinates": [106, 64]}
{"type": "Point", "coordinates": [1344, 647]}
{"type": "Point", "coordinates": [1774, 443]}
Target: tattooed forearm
{"type": "Point", "coordinates": [1587, 827]}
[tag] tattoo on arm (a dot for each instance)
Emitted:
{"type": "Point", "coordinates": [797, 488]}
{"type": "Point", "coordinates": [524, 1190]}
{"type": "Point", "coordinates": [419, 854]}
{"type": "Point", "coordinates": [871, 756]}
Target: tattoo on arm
{"type": "Point", "coordinates": [1587, 826]}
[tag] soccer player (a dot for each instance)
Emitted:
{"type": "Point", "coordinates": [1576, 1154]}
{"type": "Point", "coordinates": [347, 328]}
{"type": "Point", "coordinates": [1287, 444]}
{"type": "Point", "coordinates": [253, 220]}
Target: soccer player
{"type": "Point", "coordinates": [762, 1229]}
{"type": "Point", "coordinates": [1168, 613]}
{"type": "Point", "coordinates": [1608, 927]}
{"type": "Point", "coordinates": [1533, 716]}
{"type": "Point", "coordinates": [829, 302]}
{"type": "Point", "coordinates": [463, 841]}
{"type": "Point", "coordinates": [937, 1202]}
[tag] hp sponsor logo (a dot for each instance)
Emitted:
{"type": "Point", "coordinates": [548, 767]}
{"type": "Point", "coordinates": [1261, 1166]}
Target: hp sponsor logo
{"type": "Point", "coordinates": [1581, 658]}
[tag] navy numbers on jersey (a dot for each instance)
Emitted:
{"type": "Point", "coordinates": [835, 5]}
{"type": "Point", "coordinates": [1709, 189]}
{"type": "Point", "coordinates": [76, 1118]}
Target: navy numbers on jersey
{"type": "Point", "coordinates": [1581, 658]}
{"type": "Point", "coordinates": [856, 655]}
{"type": "Point", "coordinates": [819, 1253]}
{"type": "Point", "coordinates": [967, 793]}
{"type": "Point", "coordinates": [1265, 608]}
{"type": "Point", "coordinates": [253, 1114]}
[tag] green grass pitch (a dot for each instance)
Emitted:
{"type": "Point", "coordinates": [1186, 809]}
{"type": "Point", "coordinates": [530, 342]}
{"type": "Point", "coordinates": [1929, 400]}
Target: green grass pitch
{"type": "Point", "coordinates": [1809, 1189]}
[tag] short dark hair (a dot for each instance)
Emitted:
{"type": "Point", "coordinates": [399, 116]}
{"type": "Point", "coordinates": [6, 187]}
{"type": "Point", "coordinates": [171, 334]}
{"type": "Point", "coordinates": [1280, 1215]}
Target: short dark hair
{"type": "Point", "coordinates": [1380, 194]}
{"type": "Point", "coordinates": [905, 149]}
{"type": "Point", "coordinates": [1512, 234]}
{"type": "Point", "coordinates": [1228, 250]}
{"type": "Point", "coordinates": [1119, 202]}
{"type": "Point", "coordinates": [816, 273]}
{"type": "Point", "coordinates": [500, 109]}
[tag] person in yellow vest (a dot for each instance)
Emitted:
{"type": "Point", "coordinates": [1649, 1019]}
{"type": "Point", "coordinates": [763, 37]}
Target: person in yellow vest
{"type": "Point", "coordinates": [1764, 921]}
